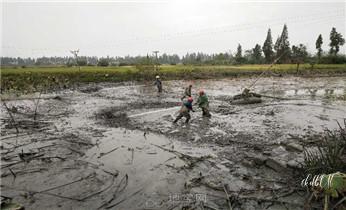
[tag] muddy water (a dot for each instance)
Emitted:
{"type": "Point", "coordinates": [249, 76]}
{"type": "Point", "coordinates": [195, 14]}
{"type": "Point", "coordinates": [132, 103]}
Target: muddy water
{"type": "Point", "coordinates": [128, 132]}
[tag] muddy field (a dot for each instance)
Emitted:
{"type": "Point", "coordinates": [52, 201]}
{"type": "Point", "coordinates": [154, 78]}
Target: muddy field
{"type": "Point", "coordinates": [113, 146]}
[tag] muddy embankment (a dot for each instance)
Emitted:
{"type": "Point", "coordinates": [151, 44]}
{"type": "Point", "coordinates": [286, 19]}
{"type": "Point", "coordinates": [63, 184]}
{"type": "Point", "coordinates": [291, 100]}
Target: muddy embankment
{"type": "Point", "coordinates": [106, 146]}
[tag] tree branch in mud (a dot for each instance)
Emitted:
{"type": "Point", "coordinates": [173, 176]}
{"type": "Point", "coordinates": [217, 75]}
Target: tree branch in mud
{"type": "Point", "coordinates": [123, 181]}
{"type": "Point", "coordinates": [11, 116]}
{"type": "Point", "coordinates": [227, 196]}
{"type": "Point", "coordinates": [102, 190]}
{"type": "Point", "coordinates": [37, 192]}
{"type": "Point", "coordinates": [20, 172]}
{"type": "Point", "coordinates": [124, 199]}
{"type": "Point", "coordinates": [190, 160]}
{"type": "Point", "coordinates": [14, 175]}
{"type": "Point", "coordinates": [36, 105]}
{"type": "Point", "coordinates": [106, 153]}
{"type": "Point", "coordinates": [67, 184]}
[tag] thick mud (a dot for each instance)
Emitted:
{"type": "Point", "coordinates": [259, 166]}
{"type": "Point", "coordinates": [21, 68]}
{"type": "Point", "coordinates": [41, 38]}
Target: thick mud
{"type": "Point", "coordinates": [111, 146]}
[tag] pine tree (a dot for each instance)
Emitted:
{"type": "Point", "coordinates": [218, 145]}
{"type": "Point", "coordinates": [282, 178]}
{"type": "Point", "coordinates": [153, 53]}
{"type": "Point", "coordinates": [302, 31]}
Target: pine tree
{"type": "Point", "coordinates": [276, 45]}
{"type": "Point", "coordinates": [336, 40]}
{"type": "Point", "coordinates": [319, 43]}
{"type": "Point", "coordinates": [268, 47]}
{"type": "Point", "coordinates": [283, 49]}
{"type": "Point", "coordinates": [238, 55]}
{"type": "Point", "coordinates": [257, 53]}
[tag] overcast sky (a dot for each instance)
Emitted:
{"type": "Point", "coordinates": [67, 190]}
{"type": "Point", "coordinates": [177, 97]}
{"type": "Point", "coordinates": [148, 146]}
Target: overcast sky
{"type": "Point", "coordinates": [118, 28]}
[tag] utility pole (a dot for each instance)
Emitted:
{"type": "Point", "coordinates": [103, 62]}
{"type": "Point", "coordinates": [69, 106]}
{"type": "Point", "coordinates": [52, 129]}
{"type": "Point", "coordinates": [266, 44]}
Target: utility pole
{"type": "Point", "coordinates": [157, 61]}
{"type": "Point", "coordinates": [75, 53]}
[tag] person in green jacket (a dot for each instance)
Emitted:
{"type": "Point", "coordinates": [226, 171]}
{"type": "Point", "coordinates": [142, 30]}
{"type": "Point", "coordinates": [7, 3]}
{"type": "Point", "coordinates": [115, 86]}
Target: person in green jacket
{"type": "Point", "coordinates": [203, 103]}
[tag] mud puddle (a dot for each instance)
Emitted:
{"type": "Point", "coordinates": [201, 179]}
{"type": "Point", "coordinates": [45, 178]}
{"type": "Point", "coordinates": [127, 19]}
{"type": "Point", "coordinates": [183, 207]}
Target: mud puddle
{"type": "Point", "coordinates": [111, 146]}
{"type": "Point", "coordinates": [152, 163]}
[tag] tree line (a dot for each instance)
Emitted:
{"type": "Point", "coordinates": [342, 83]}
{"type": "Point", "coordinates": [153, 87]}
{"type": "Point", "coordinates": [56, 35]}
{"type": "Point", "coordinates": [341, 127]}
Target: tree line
{"type": "Point", "coordinates": [269, 52]}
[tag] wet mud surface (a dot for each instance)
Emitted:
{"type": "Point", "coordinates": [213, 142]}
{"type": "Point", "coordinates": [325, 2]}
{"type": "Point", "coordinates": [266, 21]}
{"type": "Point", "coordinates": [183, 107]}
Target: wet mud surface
{"type": "Point", "coordinates": [111, 146]}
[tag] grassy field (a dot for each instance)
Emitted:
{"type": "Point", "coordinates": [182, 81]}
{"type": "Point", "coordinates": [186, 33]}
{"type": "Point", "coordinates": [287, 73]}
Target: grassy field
{"type": "Point", "coordinates": [34, 78]}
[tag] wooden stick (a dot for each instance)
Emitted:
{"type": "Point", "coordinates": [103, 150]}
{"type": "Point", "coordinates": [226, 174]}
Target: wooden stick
{"type": "Point", "coordinates": [38, 100]}
{"type": "Point", "coordinates": [106, 153]}
{"type": "Point", "coordinates": [124, 199]}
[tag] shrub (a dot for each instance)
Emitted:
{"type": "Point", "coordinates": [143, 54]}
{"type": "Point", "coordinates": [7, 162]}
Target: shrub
{"type": "Point", "coordinates": [330, 156]}
{"type": "Point", "coordinates": [103, 62]}
{"type": "Point", "coordinates": [82, 62]}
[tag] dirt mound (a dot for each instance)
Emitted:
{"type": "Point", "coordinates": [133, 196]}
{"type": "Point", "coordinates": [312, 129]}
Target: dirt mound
{"type": "Point", "coordinates": [113, 117]}
{"type": "Point", "coordinates": [90, 89]}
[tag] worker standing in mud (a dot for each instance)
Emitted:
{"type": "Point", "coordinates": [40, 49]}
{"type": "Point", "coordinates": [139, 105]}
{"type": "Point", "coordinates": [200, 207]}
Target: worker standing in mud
{"type": "Point", "coordinates": [158, 84]}
{"type": "Point", "coordinates": [203, 103]}
{"type": "Point", "coordinates": [185, 111]}
{"type": "Point", "coordinates": [246, 94]}
{"type": "Point", "coordinates": [187, 92]}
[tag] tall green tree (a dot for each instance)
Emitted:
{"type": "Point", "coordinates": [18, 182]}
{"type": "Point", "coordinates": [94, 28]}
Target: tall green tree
{"type": "Point", "coordinates": [283, 48]}
{"type": "Point", "coordinates": [336, 40]}
{"type": "Point", "coordinates": [299, 54]}
{"type": "Point", "coordinates": [238, 55]}
{"type": "Point", "coordinates": [276, 45]}
{"type": "Point", "coordinates": [319, 43]}
{"type": "Point", "coordinates": [257, 53]}
{"type": "Point", "coordinates": [268, 47]}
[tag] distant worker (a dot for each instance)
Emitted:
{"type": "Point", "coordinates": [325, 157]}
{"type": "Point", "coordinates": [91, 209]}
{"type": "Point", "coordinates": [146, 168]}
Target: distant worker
{"type": "Point", "coordinates": [158, 84]}
{"type": "Point", "coordinates": [246, 94]}
{"type": "Point", "coordinates": [187, 92]}
{"type": "Point", "coordinates": [185, 111]}
{"type": "Point", "coordinates": [203, 103]}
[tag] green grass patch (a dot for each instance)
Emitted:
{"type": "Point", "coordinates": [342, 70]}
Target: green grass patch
{"type": "Point", "coordinates": [33, 78]}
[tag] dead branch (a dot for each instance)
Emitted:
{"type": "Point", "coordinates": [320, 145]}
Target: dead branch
{"type": "Point", "coordinates": [74, 150]}
{"type": "Point", "coordinates": [190, 160]}
{"type": "Point", "coordinates": [117, 190]}
{"type": "Point", "coordinates": [124, 199]}
{"type": "Point", "coordinates": [14, 175]}
{"type": "Point", "coordinates": [11, 164]}
{"type": "Point", "coordinates": [36, 106]}
{"type": "Point", "coordinates": [111, 173]}
{"type": "Point", "coordinates": [9, 137]}
{"type": "Point", "coordinates": [45, 193]}
{"type": "Point", "coordinates": [52, 157]}
{"type": "Point", "coordinates": [102, 190]}
{"type": "Point", "coordinates": [11, 116]}
{"type": "Point", "coordinates": [69, 183]}
{"type": "Point", "coordinates": [25, 171]}
{"type": "Point", "coordinates": [106, 153]}
{"type": "Point", "coordinates": [79, 142]}
{"type": "Point", "coordinates": [225, 186]}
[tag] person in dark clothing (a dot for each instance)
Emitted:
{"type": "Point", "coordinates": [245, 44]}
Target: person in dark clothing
{"type": "Point", "coordinates": [185, 111]}
{"type": "Point", "coordinates": [246, 94]}
{"type": "Point", "coordinates": [158, 84]}
{"type": "Point", "coordinates": [187, 92]}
